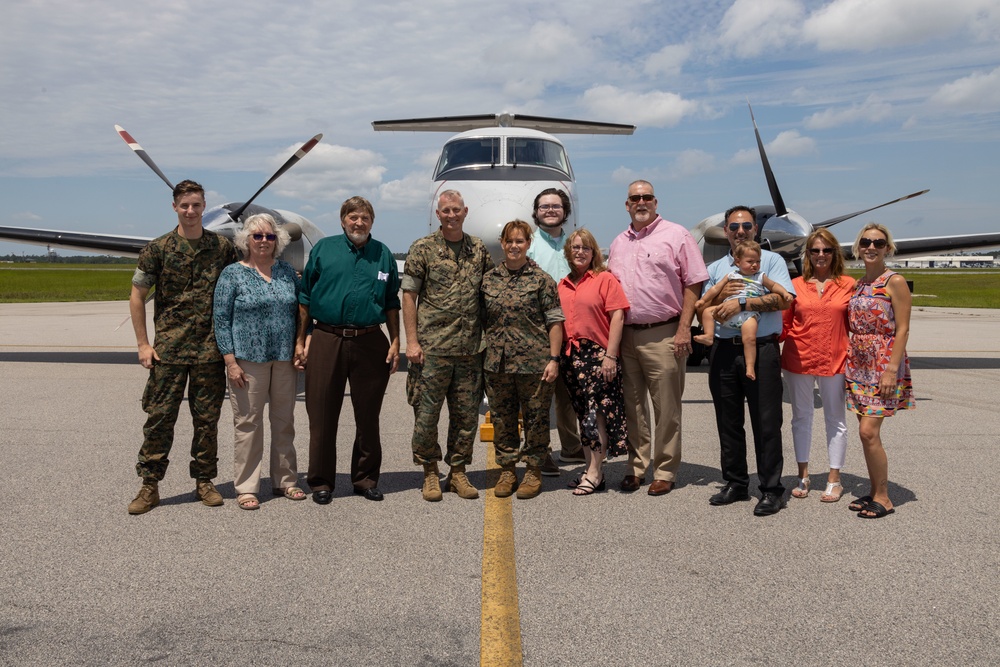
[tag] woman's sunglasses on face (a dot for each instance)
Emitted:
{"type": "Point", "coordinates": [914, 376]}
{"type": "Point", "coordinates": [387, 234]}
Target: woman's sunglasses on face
{"type": "Point", "coordinates": [878, 243]}
{"type": "Point", "coordinates": [825, 251]}
{"type": "Point", "coordinates": [261, 237]}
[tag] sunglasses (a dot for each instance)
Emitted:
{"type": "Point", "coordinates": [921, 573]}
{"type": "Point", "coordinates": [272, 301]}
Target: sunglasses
{"type": "Point", "coordinates": [816, 251]}
{"type": "Point", "coordinates": [878, 243]}
{"type": "Point", "coordinates": [261, 237]}
{"type": "Point", "coordinates": [735, 226]}
{"type": "Point", "coordinates": [636, 198]}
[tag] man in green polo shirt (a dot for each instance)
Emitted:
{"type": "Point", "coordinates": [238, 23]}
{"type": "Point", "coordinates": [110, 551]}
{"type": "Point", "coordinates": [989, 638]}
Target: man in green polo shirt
{"type": "Point", "coordinates": [350, 287]}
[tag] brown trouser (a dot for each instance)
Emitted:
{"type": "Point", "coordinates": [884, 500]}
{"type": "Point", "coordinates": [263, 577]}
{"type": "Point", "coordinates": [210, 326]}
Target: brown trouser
{"type": "Point", "coordinates": [333, 362]}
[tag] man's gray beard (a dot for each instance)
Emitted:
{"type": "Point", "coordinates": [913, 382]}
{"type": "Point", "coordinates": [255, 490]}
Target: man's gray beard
{"type": "Point", "coordinates": [357, 239]}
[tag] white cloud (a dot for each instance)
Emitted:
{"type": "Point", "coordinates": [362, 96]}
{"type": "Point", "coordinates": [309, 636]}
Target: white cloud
{"type": "Point", "coordinates": [410, 192]}
{"type": "Point", "coordinates": [863, 25]}
{"type": "Point", "coordinates": [330, 173]}
{"type": "Point", "coordinates": [667, 61]}
{"type": "Point", "coordinates": [977, 93]}
{"type": "Point", "coordinates": [872, 110]}
{"type": "Point", "coordinates": [691, 163]}
{"type": "Point", "coordinates": [654, 109]}
{"type": "Point", "coordinates": [787, 144]}
{"type": "Point", "coordinates": [752, 27]}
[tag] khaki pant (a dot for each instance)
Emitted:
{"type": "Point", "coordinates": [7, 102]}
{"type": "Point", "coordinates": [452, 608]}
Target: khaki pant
{"type": "Point", "coordinates": [271, 383]}
{"type": "Point", "coordinates": [649, 369]}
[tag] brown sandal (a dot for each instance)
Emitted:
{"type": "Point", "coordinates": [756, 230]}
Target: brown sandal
{"type": "Point", "coordinates": [247, 501]}
{"type": "Point", "coordinates": [292, 493]}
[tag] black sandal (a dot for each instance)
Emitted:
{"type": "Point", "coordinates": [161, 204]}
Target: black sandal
{"type": "Point", "coordinates": [587, 487]}
{"type": "Point", "coordinates": [859, 504]}
{"type": "Point", "coordinates": [878, 511]}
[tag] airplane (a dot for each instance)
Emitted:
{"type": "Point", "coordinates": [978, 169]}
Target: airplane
{"type": "Point", "coordinates": [226, 219]}
{"type": "Point", "coordinates": [782, 230]}
{"type": "Point", "coordinates": [500, 162]}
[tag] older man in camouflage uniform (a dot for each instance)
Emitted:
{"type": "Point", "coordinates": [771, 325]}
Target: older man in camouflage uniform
{"type": "Point", "coordinates": [443, 344]}
{"type": "Point", "coordinates": [183, 266]}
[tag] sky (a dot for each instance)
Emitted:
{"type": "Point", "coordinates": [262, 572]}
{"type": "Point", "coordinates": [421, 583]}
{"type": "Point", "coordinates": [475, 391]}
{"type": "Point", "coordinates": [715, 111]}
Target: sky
{"type": "Point", "coordinates": [858, 102]}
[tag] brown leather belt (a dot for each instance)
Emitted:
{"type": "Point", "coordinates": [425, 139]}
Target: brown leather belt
{"type": "Point", "coordinates": [347, 332]}
{"type": "Point", "coordinates": [672, 320]}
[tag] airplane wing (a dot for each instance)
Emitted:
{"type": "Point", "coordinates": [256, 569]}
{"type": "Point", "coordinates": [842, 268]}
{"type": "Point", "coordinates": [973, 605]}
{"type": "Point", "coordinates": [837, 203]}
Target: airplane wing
{"type": "Point", "coordinates": [936, 245]}
{"type": "Point", "coordinates": [125, 246]}
{"type": "Point", "coordinates": [466, 123]}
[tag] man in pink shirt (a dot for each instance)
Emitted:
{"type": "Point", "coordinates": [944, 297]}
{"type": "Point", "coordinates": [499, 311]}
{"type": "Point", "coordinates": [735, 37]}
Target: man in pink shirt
{"type": "Point", "coordinates": [661, 270]}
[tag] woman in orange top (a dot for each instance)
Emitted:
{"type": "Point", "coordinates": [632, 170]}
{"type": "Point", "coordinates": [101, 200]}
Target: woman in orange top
{"type": "Point", "coordinates": [814, 353]}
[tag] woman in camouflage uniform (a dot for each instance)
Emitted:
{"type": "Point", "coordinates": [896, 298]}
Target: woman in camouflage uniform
{"type": "Point", "coordinates": [523, 335]}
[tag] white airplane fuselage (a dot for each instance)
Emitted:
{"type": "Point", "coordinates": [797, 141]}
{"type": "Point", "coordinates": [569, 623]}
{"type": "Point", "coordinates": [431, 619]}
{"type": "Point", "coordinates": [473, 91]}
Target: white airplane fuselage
{"type": "Point", "coordinates": [500, 171]}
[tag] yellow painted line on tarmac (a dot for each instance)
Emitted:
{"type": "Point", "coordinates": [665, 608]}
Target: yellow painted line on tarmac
{"type": "Point", "coordinates": [500, 624]}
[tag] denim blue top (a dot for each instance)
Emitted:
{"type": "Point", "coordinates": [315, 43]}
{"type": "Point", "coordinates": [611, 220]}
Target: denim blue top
{"type": "Point", "coordinates": [255, 319]}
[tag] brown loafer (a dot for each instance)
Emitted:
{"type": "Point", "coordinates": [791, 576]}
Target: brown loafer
{"type": "Point", "coordinates": [660, 487]}
{"type": "Point", "coordinates": [630, 483]}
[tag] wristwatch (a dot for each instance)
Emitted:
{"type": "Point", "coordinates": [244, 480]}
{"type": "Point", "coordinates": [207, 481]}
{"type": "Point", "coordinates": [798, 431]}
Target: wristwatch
{"type": "Point", "coordinates": [743, 303]}
{"type": "Point", "coordinates": [554, 358]}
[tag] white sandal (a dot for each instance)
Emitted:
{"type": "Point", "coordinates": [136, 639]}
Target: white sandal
{"type": "Point", "coordinates": [829, 496]}
{"type": "Point", "coordinates": [802, 490]}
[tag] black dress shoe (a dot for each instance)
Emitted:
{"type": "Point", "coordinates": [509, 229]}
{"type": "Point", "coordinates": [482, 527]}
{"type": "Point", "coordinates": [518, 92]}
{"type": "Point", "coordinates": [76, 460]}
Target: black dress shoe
{"type": "Point", "coordinates": [322, 497]}
{"type": "Point", "coordinates": [630, 483]}
{"type": "Point", "coordinates": [371, 493]}
{"type": "Point", "coordinates": [771, 503]}
{"type": "Point", "coordinates": [730, 494]}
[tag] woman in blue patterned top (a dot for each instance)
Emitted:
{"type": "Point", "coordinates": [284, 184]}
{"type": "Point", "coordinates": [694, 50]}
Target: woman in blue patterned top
{"type": "Point", "coordinates": [256, 302]}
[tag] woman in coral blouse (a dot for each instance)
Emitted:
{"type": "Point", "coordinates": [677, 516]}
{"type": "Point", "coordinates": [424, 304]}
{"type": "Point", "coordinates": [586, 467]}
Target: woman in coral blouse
{"type": "Point", "coordinates": [814, 354]}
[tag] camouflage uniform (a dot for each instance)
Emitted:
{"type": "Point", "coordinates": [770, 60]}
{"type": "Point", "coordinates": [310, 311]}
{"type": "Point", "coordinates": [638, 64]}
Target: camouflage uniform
{"type": "Point", "coordinates": [520, 307]}
{"type": "Point", "coordinates": [184, 279]}
{"type": "Point", "coordinates": [449, 329]}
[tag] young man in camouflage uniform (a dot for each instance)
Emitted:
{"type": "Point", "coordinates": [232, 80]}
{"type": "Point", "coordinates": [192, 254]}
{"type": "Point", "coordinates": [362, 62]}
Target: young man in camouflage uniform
{"type": "Point", "coordinates": [183, 265]}
{"type": "Point", "coordinates": [443, 344]}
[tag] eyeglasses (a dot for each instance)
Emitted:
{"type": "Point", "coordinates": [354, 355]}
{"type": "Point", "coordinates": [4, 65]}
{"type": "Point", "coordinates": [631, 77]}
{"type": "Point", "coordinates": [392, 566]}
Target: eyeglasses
{"type": "Point", "coordinates": [261, 237]}
{"type": "Point", "coordinates": [816, 251]}
{"type": "Point", "coordinates": [550, 207]}
{"type": "Point", "coordinates": [586, 249]}
{"type": "Point", "coordinates": [878, 243]}
{"type": "Point", "coordinates": [636, 198]}
{"type": "Point", "coordinates": [735, 226]}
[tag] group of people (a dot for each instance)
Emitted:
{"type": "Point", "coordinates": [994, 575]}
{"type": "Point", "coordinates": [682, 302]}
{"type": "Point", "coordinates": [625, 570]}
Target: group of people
{"type": "Point", "coordinates": [550, 324]}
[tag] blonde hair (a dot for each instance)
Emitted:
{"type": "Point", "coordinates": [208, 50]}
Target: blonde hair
{"type": "Point", "coordinates": [743, 247]}
{"type": "Point", "coordinates": [890, 248]}
{"type": "Point", "coordinates": [596, 258]}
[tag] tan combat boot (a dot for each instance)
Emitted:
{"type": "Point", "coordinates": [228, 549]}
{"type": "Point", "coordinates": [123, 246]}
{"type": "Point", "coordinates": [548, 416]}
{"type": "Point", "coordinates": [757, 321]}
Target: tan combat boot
{"type": "Point", "coordinates": [206, 492]}
{"type": "Point", "coordinates": [148, 498]}
{"type": "Point", "coordinates": [507, 483]}
{"type": "Point", "coordinates": [432, 483]}
{"type": "Point", "coordinates": [460, 484]}
{"type": "Point", "coordinates": [531, 485]}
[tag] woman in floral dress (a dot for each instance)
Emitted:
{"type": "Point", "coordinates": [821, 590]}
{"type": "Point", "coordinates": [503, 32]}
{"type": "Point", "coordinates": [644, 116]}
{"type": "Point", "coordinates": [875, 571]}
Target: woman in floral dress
{"type": "Point", "coordinates": [878, 370]}
{"type": "Point", "coordinates": [594, 305]}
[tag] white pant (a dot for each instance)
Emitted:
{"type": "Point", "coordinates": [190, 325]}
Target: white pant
{"type": "Point", "coordinates": [832, 392]}
{"type": "Point", "coordinates": [271, 383]}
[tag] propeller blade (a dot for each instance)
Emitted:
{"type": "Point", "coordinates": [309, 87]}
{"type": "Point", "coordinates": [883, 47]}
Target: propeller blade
{"type": "Point", "coordinates": [772, 185]}
{"type": "Point", "coordinates": [299, 154]}
{"type": "Point", "coordinates": [134, 145]}
{"type": "Point", "coordinates": [832, 221]}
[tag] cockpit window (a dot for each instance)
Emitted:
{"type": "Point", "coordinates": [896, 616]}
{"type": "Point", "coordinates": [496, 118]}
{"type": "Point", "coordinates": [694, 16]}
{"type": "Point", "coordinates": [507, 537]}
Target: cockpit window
{"type": "Point", "coordinates": [531, 152]}
{"type": "Point", "coordinates": [469, 153]}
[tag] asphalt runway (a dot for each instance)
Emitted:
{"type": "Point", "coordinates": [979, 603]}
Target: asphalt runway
{"type": "Point", "coordinates": [605, 579]}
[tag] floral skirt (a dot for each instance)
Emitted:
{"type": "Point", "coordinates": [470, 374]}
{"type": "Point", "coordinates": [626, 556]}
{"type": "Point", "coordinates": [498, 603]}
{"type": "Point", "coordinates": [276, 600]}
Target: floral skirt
{"type": "Point", "coordinates": [591, 394]}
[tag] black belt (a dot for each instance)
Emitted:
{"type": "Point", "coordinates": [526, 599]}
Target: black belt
{"type": "Point", "coordinates": [672, 320]}
{"type": "Point", "coordinates": [762, 340]}
{"type": "Point", "coordinates": [348, 332]}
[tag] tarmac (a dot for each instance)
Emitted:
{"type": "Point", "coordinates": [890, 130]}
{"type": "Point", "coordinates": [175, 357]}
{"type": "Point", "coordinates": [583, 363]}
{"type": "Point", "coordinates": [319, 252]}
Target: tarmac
{"type": "Point", "coordinates": [605, 579]}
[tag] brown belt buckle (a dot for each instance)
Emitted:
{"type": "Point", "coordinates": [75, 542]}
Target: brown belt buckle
{"type": "Point", "coordinates": [349, 333]}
